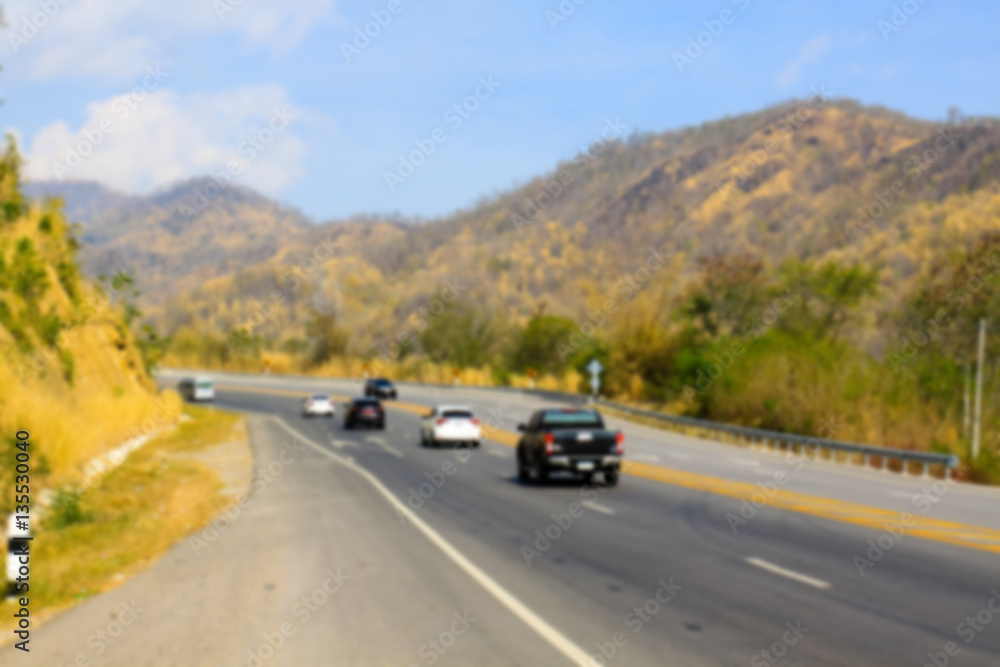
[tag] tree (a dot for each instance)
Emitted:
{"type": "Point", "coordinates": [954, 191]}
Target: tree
{"type": "Point", "coordinates": [823, 296]}
{"type": "Point", "coordinates": [28, 276]}
{"type": "Point", "coordinates": [731, 289]}
{"type": "Point", "coordinates": [325, 338]}
{"type": "Point", "coordinates": [538, 345]}
{"type": "Point", "coordinates": [949, 301]}
{"type": "Point", "coordinates": [461, 336]}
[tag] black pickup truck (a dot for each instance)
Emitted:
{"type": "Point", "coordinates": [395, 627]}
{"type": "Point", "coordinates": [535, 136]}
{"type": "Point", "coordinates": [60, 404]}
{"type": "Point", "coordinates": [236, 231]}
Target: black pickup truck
{"type": "Point", "coordinates": [568, 439]}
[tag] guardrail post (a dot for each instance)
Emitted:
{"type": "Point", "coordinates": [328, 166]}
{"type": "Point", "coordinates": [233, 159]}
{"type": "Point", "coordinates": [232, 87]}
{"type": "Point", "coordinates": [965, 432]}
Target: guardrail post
{"type": "Point", "coordinates": [885, 463]}
{"type": "Point", "coordinates": [868, 460]}
{"type": "Point", "coordinates": [927, 470]}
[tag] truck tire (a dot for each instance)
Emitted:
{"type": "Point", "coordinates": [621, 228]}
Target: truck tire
{"type": "Point", "coordinates": [522, 472]}
{"type": "Point", "coordinates": [540, 473]}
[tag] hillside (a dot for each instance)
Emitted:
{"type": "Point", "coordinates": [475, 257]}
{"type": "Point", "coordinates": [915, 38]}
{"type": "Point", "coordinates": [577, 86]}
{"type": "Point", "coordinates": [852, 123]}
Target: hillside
{"type": "Point", "coordinates": [71, 373]}
{"type": "Point", "coordinates": [83, 200]}
{"type": "Point", "coordinates": [175, 239]}
{"type": "Point", "coordinates": [807, 168]}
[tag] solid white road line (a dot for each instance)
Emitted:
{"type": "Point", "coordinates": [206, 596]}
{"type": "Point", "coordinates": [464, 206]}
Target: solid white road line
{"type": "Point", "coordinates": [597, 508]}
{"type": "Point", "coordinates": [682, 457]}
{"type": "Point", "coordinates": [558, 640]}
{"type": "Point", "coordinates": [384, 445]}
{"type": "Point", "coordinates": [644, 457]}
{"type": "Point", "coordinates": [903, 494]}
{"type": "Point", "coordinates": [791, 574]}
{"type": "Point", "coordinates": [497, 452]}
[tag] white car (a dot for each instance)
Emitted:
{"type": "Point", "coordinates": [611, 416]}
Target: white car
{"type": "Point", "coordinates": [450, 423]}
{"type": "Point", "coordinates": [197, 389]}
{"type": "Point", "coordinates": [317, 404]}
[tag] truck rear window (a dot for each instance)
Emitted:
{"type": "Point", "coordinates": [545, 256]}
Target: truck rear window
{"type": "Point", "coordinates": [573, 419]}
{"type": "Point", "coordinates": [457, 414]}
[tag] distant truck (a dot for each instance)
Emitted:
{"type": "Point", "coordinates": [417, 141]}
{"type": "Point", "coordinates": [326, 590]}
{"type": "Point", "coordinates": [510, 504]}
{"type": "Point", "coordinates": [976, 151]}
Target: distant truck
{"type": "Point", "coordinates": [197, 389]}
{"type": "Point", "coordinates": [571, 440]}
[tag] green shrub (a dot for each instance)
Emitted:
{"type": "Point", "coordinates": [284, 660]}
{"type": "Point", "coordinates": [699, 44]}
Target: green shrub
{"type": "Point", "coordinates": [66, 510]}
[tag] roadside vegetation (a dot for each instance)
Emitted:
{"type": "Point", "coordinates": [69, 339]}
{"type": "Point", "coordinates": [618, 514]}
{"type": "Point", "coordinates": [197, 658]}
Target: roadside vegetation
{"type": "Point", "coordinates": [71, 371]}
{"type": "Point", "coordinates": [791, 347]}
{"type": "Point", "coordinates": [75, 377]}
{"type": "Point", "coordinates": [94, 540]}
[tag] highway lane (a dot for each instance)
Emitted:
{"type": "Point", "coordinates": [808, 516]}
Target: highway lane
{"type": "Point", "coordinates": [315, 565]}
{"type": "Point", "coordinates": [962, 503]}
{"type": "Point", "coordinates": [727, 610]}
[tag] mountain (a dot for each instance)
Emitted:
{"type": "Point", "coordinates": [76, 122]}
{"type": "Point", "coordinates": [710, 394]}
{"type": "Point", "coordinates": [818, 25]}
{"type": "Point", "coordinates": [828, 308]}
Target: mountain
{"type": "Point", "coordinates": [83, 199]}
{"type": "Point", "coordinates": [176, 239]}
{"type": "Point", "coordinates": [785, 182]}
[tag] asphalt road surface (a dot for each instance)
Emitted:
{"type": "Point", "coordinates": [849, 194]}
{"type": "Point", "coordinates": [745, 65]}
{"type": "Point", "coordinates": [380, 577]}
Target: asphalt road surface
{"type": "Point", "coordinates": [439, 556]}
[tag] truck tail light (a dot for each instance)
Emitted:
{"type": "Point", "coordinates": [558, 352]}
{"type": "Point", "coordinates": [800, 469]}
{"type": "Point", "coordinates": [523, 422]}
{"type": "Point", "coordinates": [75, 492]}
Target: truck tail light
{"type": "Point", "coordinates": [475, 421]}
{"type": "Point", "coordinates": [440, 421]}
{"type": "Point", "coordinates": [620, 444]}
{"type": "Point", "coordinates": [550, 443]}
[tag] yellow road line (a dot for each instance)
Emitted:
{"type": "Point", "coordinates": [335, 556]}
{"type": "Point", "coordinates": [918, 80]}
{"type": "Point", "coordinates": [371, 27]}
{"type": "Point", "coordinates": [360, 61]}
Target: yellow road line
{"type": "Point", "coordinates": [973, 537]}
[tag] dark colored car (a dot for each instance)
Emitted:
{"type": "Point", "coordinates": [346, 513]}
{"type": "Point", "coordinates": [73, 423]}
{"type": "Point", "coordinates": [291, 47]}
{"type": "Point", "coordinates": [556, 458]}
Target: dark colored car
{"type": "Point", "coordinates": [380, 388]}
{"type": "Point", "coordinates": [572, 440]}
{"type": "Point", "coordinates": [367, 411]}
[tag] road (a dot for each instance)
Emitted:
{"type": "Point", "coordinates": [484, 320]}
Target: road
{"type": "Point", "coordinates": [650, 572]}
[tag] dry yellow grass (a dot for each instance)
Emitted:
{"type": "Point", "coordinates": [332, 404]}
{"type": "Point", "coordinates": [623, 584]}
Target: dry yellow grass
{"type": "Point", "coordinates": [69, 425]}
{"type": "Point", "coordinates": [124, 530]}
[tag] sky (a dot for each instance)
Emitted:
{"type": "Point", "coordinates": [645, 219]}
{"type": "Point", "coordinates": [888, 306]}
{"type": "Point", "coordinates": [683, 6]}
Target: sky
{"type": "Point", "coordinates": [420, 108]}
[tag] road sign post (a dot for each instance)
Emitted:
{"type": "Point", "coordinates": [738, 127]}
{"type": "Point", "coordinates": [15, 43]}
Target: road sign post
{"type": "Point", "coordinates": [978, 408]}
{"type": "Point", "coordinates": [595, 369]}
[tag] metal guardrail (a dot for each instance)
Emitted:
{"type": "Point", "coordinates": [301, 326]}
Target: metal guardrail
{"type": "Point", "coordinates": [740, 435]}
{"type": "Point", "coordinates": [790, 442]}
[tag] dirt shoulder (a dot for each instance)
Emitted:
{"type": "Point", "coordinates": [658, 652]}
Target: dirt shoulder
{"type": "Point", "coordinates": [170, 487]}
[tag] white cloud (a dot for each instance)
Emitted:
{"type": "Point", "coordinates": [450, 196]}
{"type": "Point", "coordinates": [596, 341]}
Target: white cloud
{"type": "Point", "coordinates": [51, 39]}
{"type": "Point", "coordinates": [810, 53]}
{"type": "Point", "coordinates": [143, 140]}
